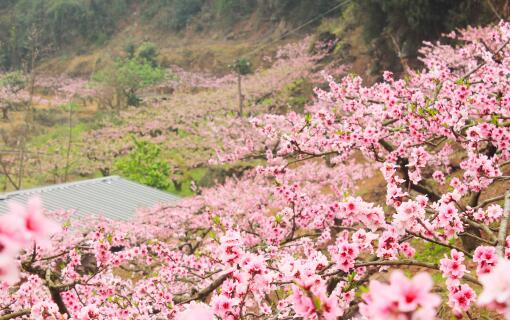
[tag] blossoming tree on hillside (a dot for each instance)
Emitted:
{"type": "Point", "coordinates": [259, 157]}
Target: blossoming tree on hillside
{"type": "Point", "coordinates": [292, 240]}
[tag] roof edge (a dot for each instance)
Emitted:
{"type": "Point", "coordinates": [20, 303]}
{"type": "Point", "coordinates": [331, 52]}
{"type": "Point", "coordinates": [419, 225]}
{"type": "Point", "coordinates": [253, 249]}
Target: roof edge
{"type": "Point", "coordinates": [7, 195]}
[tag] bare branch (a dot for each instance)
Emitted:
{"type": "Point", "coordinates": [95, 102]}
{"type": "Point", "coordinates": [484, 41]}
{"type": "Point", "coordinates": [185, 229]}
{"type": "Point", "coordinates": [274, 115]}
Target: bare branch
{"type": "Point", "coordinates": [206, 291]}
{"type": "Point", "coordinates": [16, 314]}
{"type": "Point", "coordinates": [489, 201]}
{"type": "Point", "coordinates": [440, 243]}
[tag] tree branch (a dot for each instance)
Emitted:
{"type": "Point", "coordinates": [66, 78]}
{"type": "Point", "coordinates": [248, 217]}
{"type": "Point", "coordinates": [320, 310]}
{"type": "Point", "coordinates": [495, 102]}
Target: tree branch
{"type": "Point", "coordinates": [204, 292]}
{"type": "Point", "coordinates": [504, 225]}
{"type": "Point", "coordinates": [440, 243]}
{"type": "Point", "coordinates": [481, 226]}
{"type": "Point", "coordinates": [410, 263]}
{"type": "Point", "coordinates": [489, 201]}
{"type": "Point", "coordinates": [16, 314]}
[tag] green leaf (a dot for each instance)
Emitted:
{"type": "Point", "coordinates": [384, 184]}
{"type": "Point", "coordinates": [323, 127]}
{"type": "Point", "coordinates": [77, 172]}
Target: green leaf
{"type": "Point", "coordinates": [216, 219]}
{"type": "Point", "coordinates": [308, 118]}
{"type": "Point", "coordinates": [66, 224]}
{"type": "Point", "coordinates": [494, 119]}
{"type": "Point", "coordinates": [351, 276]}
{"type": "Point", "coordinates": [432, 111]}
{"type": "Point", "coordinates": [317, 303]}
{"type": "Point", "coordinates": [461, 81]}
{"type": "Point", "coordinates": [363, 289]}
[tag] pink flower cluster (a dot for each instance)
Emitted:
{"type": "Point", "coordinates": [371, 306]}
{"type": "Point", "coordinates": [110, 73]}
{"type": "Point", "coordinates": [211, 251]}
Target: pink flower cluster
{"type": "Point", "coordinates": [21, 228]}
{"type": "Point", "coordinates": [453, 268]}
{"type": "Point", "coordinates": [195, 311]}
{"type": "Point", "coordinates": [460, 296]}
{"type": "Point", "coordinates": [496, 288]}
{"type": "Point", "coordinates": [344, 253]}
{"type": "Point", "coordinates": [485, 258]}
{"type": "Point", "coordinates": [401, 298]}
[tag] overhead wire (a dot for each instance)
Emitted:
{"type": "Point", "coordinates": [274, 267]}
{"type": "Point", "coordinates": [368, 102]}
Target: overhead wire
{"type": "Point", "coordinates": [246, 55]}
{"type": "Point", "coordinates": [286, 34]}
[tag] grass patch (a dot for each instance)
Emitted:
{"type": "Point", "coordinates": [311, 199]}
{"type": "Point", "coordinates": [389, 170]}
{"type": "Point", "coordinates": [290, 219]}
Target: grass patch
{"type": "Point", "coordinates": [194, 175]}
{"type": "Point", "coordinates": [60, 132]}
{"type": "Point", "coordinates": [430, 252]}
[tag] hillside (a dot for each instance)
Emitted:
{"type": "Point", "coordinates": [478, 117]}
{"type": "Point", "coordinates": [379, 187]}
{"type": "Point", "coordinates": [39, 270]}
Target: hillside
{"type": "Point", "coordinates": [83, 35]}
{"type": "Point", "coordinates": [308, 159]}
{"type": "Point", "coordinates": [80, 36]}
{"type": "Point", "coordinates": [63, 45]}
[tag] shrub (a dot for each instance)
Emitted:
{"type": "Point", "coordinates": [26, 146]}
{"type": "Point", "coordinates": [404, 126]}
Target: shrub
{"type": "Point", "coordinates": [144, 165]}
{"type": "Point", "coordinates": [127, 77]}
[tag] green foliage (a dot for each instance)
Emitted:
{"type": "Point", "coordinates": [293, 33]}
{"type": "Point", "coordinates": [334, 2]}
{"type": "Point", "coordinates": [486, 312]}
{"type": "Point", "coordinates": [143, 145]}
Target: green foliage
{"type": "Point", "coordinates": [409, 22]}
{"type": "Point", "coordinates": [128, 76]}
{"type": "Point", "coordinates": [147, 164]}
{"type": "Point", "coordinates": [241, 66]}
{"type": "Point", "coordinates": [429, 252]}
{"type": "Point", "coordinates": [175, 14]}
{"type": "Point", "coordinates": [295, 11]}
{"type": "Point", "coordinates": [144, 165]}
{"type": "Point", "coordinates": [130, 50]}
{"type": "Point", "coordinates": [147, 52]}
{"type": "Point", "coordinates": [15, 81]}
{"type": "Point", "coordinates": [299, 11]}
{"type": "Point", "coordinates": [233, 9]}
{"type": "Point", "coordinates": [172, 14]}
{"type": "Point", "coordinates": [57, 23]}
{"type": "Point", "coordinates": [184, 10]}
{"type": "Point", "coordinates": [63, 13]}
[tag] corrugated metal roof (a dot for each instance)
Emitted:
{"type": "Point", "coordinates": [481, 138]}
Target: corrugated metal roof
{"type": "Point", "coordinates": [113, 197]}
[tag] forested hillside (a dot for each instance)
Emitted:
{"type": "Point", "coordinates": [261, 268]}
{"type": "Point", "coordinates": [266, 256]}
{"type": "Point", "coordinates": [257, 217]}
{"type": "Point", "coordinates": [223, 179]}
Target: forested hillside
{"type": "Point", "coordinates": [391, 29]}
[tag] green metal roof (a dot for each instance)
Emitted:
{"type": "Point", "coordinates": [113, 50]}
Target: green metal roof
{"type": "Point", "coordinates": [113, 197]}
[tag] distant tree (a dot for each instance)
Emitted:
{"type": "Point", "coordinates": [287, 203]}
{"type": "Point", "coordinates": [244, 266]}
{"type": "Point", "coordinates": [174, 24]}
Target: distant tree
{"type": "Point", "coordinates": [399, 27]}
{"type": "Point", "coordinates": [233, 9]}
{"type": "Point", "coordinates": [15, 81]}
{"type": "Point", "coordinates": [147, 52]}
{"type": "Point", "coordinates": [145, 165]}
{"type": "Point", "coordinates": [11, 84]}
{"type": "Point", "coordinates": [130, 50]}
{"type": "Point", "coordinates": [63, 22]}
{"type": "Point", "coordinates": [127, 77]}
{"type": "Point", "coordinates": [241, 67]}
{"type": "Point", "coordinates": [172, 14]}
{"type": "Point", "coordinates": [62, 15]}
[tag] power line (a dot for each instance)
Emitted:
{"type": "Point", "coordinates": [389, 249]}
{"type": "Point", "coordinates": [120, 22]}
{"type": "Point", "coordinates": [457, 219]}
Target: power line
{"type": "Point", "coordinates": [320, 16]}
{"type": "Point", "coordinates": [37, 153]}
{"type": "Point", "coordinates": [317, 17]}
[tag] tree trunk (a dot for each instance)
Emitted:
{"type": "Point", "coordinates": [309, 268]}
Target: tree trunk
{"type": "Point", "coordinates": [55, 296]}
{"type": "Point", "coordinates": [5, 113]}
{"type": "Point", "coordinates": [177, 185]}
{"type": "Point", "coordinates": [105, 171]}
{"type": "Point", "coordinates": [240, 92]}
